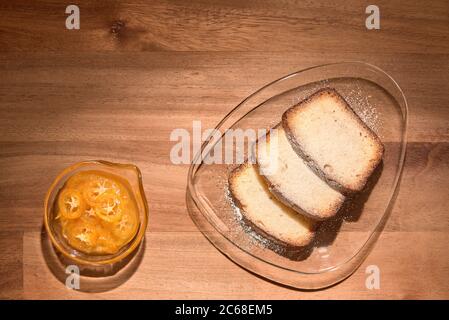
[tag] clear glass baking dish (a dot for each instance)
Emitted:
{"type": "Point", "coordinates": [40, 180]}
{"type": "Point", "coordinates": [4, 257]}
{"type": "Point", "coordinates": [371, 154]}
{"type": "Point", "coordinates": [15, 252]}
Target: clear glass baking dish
{"type": "Point", "coordinates": [341, 243]}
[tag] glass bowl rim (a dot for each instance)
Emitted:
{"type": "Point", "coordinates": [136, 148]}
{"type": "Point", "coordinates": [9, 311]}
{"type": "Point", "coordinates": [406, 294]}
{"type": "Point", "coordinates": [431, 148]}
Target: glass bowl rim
{"type": "Point", "coordinates": [132, 245]}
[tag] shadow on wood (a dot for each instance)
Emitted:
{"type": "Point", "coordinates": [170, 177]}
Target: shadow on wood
{"type": "Point", "coordinates": [350, 212]}
{"type": "Point", "coordinates": [98, 279]}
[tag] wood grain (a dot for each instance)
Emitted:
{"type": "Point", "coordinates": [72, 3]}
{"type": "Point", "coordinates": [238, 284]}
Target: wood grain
{"type": "Point", "coordinates": [136, 70]}
{"type": "Point", "coordinates": [192, 269]}
{"type": "Point", "coordinates": [315, 26]}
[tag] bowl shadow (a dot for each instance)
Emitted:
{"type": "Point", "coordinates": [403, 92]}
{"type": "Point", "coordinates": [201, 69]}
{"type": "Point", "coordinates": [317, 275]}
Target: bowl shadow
{"type": "Point", "coordinates": [91, 279]}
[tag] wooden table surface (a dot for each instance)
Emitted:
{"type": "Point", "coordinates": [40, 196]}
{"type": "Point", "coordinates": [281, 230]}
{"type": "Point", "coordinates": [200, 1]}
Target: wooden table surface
{"type": "Point", "coordinates": [136, 70]}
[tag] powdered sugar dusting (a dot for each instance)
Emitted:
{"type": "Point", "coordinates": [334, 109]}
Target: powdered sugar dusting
{"type": "Point", "coordinates": [362, 104]}
{"type": "Point", "coordinates": [364, 107]}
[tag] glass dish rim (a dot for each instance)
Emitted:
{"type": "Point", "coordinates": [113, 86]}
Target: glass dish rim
{"type": "Point", "coordinates": [132, 245]}
{"type": "Point", "coordinates": [194, 167]}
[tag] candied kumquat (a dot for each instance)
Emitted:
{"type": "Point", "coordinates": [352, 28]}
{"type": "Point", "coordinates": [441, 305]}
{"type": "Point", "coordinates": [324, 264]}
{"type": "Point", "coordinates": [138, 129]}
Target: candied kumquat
{"type": "Point", "coordinates": [97, 212]}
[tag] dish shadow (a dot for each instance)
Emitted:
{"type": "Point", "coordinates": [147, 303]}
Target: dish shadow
{"type": "Point", "coordinates": [327, 231]}
{"type": "Point", "coordinates": [92, 279]}
{"type": "Point", "coordinates": [298, 254]}
{"type": "Point", "coordinates": [350, 212]}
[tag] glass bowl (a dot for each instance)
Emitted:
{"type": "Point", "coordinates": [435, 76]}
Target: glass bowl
{"type": "Point", "coordinates": [341, 243]}
{"type": "Point", "coordinates": [128, 172]}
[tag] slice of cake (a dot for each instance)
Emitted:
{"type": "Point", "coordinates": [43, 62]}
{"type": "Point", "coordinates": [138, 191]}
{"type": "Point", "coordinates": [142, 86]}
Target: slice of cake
{"type": "Point", "coordinates": [262, 210]}
{"type": "Point", "coordinates": [333, 140]}
{"type": "Point", "coordinates": [291, 180]}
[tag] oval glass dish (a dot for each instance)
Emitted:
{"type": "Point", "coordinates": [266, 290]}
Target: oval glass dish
{"type": "Point", "coordinates": [129, 173]}
{"type": "Point", "coordinates": [341, 243]}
